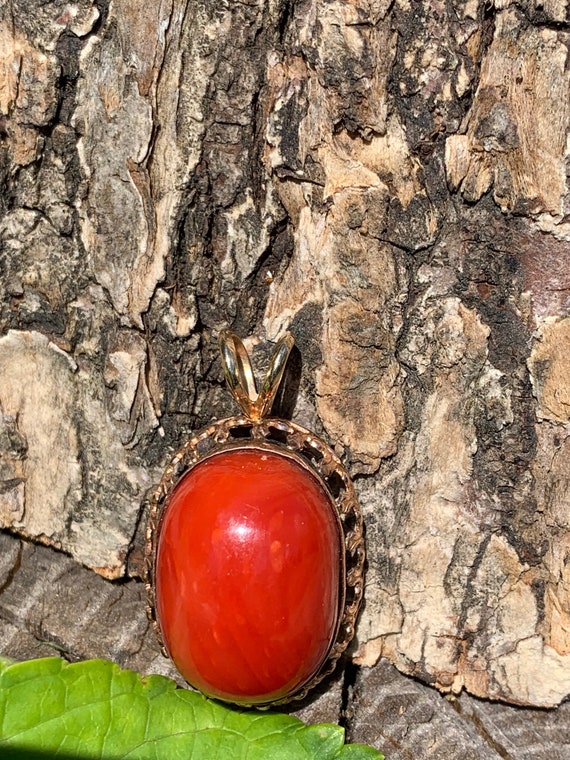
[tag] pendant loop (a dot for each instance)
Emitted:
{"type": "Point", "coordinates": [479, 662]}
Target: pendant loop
{"type": "Point", "coordinates": [241, 380]}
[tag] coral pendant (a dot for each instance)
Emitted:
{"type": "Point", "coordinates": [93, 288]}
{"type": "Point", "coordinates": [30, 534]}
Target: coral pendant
{"type": "Point", "coordinates": [255, 550]}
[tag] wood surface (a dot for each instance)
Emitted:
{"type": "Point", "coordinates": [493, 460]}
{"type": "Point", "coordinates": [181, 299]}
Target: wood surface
{"type": "Point", "coordinates": [49, 605]}
{"type": "Point", "coordinates": [388, 180]}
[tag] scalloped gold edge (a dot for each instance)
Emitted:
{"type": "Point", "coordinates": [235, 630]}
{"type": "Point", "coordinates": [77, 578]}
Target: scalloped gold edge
{"type": "Point", "coordinates": [325, 464]}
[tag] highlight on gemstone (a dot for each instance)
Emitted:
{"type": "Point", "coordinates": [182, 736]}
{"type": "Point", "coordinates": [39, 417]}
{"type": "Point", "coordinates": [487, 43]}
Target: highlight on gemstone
{"type": "Point", "coordinates": [247, 575]}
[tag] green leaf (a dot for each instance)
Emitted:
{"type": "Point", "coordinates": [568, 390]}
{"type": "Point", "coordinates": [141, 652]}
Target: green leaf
{"type": "Point", "coordinates": [94, 709]}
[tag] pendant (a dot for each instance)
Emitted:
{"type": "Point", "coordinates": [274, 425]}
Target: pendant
{"type": "Point", "coordinates": [255, 549]}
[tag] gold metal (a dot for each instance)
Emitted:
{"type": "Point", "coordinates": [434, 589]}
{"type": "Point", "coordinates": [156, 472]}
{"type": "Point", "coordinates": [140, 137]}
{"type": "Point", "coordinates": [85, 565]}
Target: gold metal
{"type": "Point", "coordinates": [254, 431]}
{"type": "Point", "coordinates": [241, 380]}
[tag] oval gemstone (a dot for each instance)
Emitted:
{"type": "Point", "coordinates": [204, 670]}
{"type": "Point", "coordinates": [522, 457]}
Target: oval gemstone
{"type": "Point", "coordinates": [247, 576]}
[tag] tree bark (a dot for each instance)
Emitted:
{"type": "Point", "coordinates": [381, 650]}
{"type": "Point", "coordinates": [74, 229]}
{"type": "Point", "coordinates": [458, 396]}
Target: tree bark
{"type": "Point", "coordinates": [51, 605]}
{"type": "Point", "coordinates": [388, 181]}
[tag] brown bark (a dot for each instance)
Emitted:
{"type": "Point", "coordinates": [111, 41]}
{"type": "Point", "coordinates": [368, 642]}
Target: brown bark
{"type": "Point", "coordinates": [50, 605]}
{"type": "Point", "coordinates": [386, 180]}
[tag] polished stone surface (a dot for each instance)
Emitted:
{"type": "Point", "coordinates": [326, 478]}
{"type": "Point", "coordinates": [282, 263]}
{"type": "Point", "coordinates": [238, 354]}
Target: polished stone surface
{"type": "Point", "coordinates": [247, 576]}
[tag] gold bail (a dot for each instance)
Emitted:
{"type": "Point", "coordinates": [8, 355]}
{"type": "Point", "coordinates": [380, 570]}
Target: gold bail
{"type": "Point", "coordinates": [240, 378]}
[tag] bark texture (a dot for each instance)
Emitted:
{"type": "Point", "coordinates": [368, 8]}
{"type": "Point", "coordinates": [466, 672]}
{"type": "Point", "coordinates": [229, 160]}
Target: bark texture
{"type": "Point", "coordinates": [387, 180]}
{"type": "Point", "coordinates": [49, 606]}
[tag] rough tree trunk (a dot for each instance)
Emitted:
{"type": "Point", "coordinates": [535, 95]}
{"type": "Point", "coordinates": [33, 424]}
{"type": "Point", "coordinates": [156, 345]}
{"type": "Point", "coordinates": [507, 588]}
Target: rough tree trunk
{"type": "Point", "coordinates": [387, 180]}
